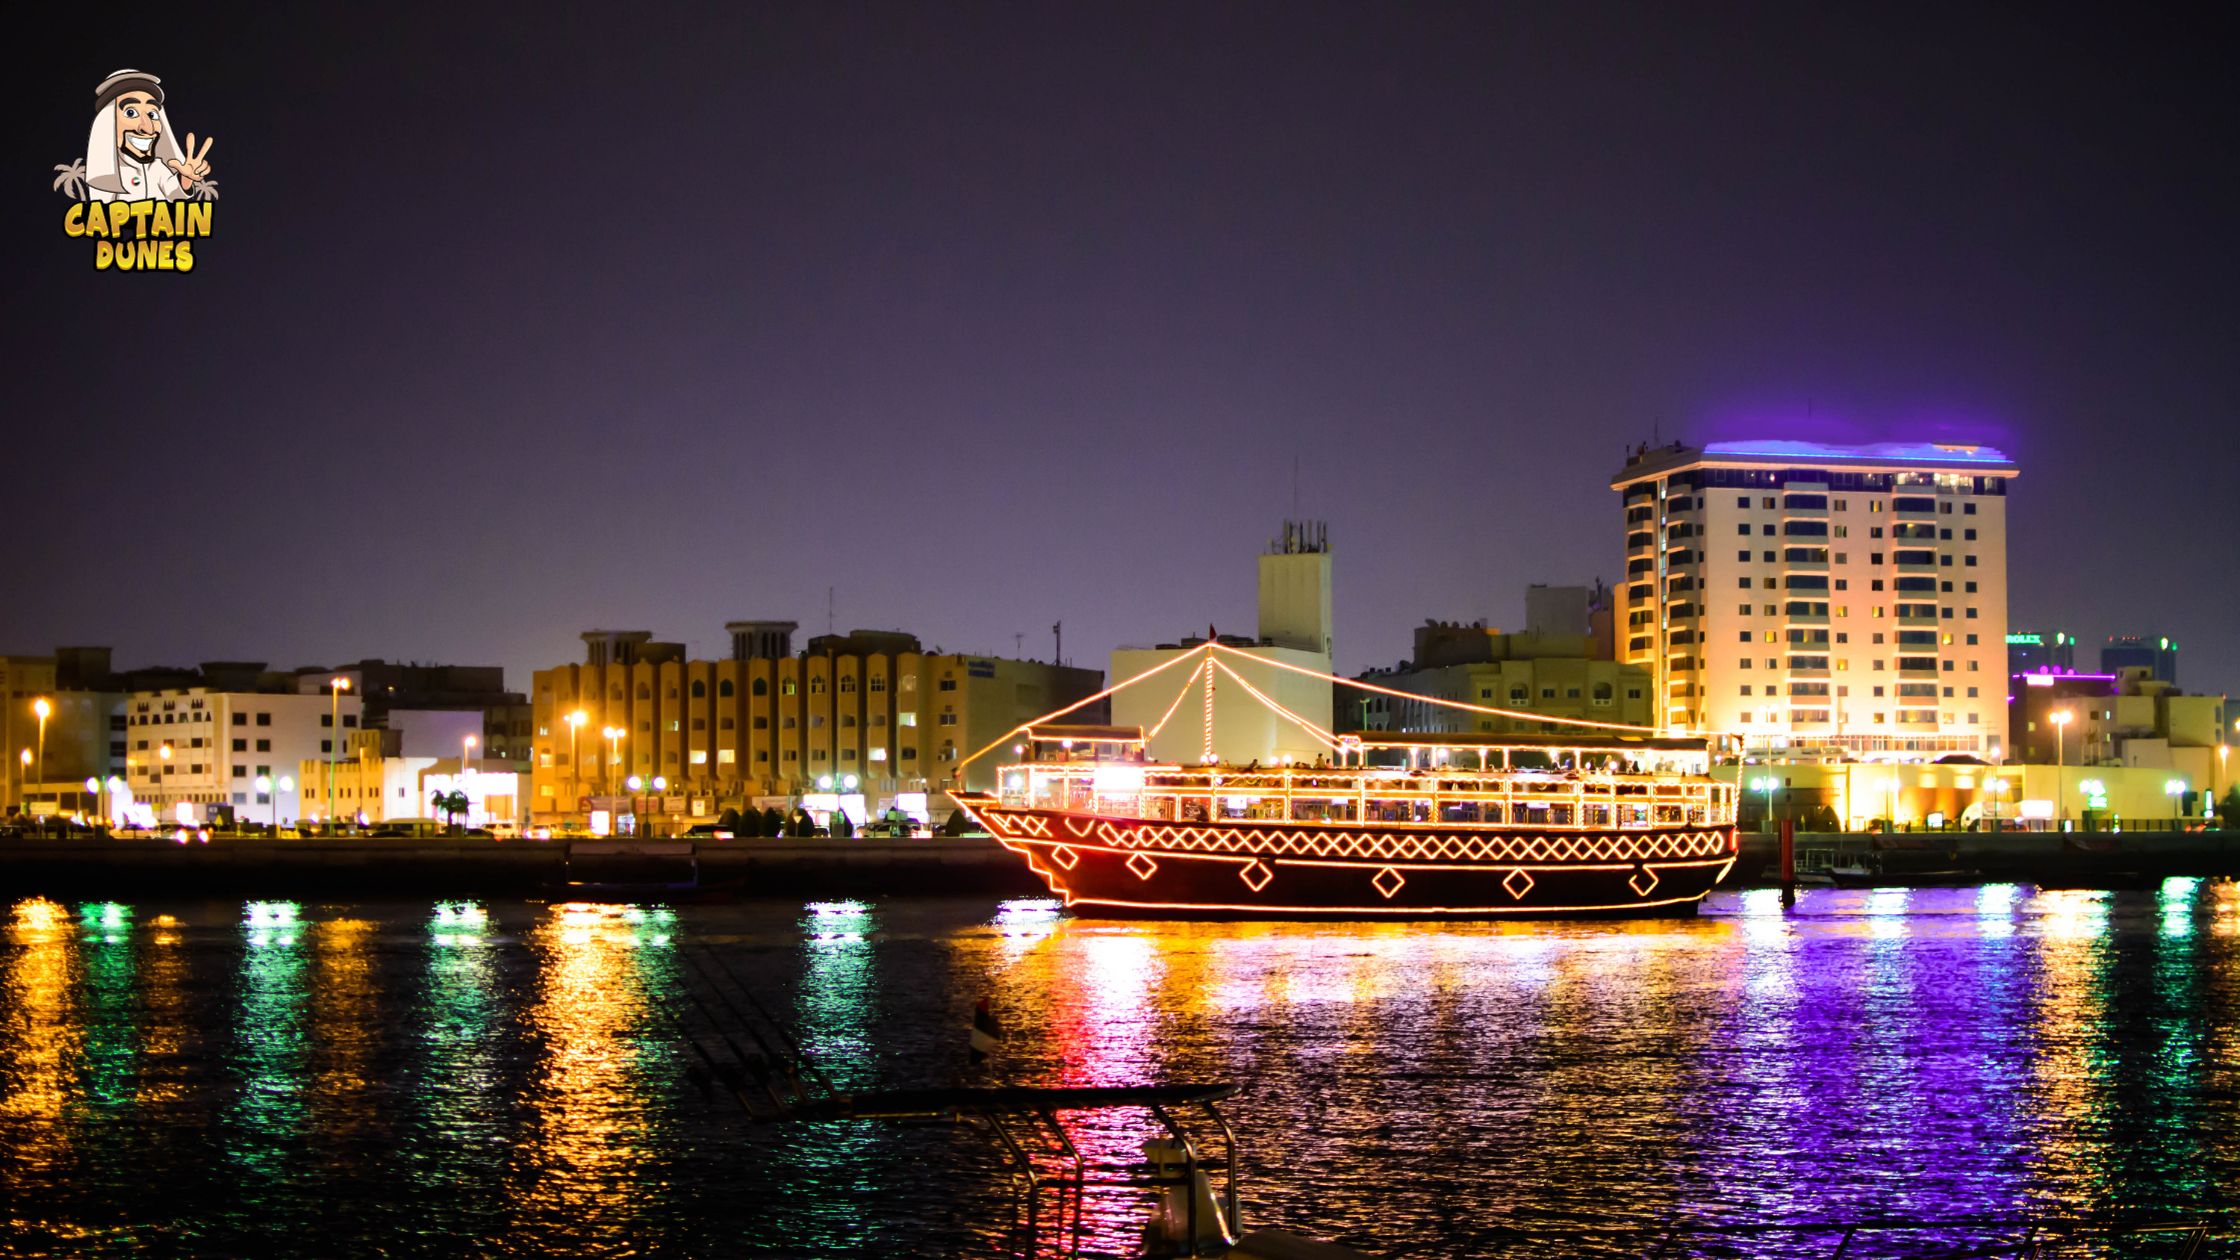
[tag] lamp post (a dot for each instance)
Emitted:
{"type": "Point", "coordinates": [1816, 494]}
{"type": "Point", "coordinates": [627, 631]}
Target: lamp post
{"type": "Point", "coordinates": [466, 750]}
{"type": "Point", "coordinates": [575, 754]}
{"type": "Point", "coordinates": [636, 785]}
{"type": "Point", "coordinates": [271, 789]}
{"type": "Point", "coordinates": [24, 795]}
{"type": "Point", "coordinates": [335, 687]}
{"type": "Point", "coordinates": [116, 786]}
{"type": "Point", "coordinates": [42, 707]}
{"type": "Point", "coordinates": [2175, 789]}
{"type": "Point", "coordinates": [2060, 719]}
{"type": "Point", "coordinates": [93, 793]}
{"type": "Point", "coordinates": [1766, 784]}
{"type": "Point", "coordinates": [613, 736]}
{"type": "Point", "coordinates": [2216, 792]}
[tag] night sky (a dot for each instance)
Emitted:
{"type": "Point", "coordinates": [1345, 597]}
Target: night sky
{"type": "Point", "coordinates": [518, 322]}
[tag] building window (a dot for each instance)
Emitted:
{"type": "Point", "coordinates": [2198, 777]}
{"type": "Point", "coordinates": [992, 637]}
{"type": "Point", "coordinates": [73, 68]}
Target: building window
{"type": "Point", "coordinates": [723, 689]}
{"type": "Point", "coordinates": [786, 688]}
{"type": "Point", "coordinates": [948, 719]}
{"type": "Point", "coordinates": [847, 684]}
{"type": "Point", "coordinates": [699, 690]}
{"type": "Point", "coordinates": [241, 745]}
{"type": "Point", "coordinates": [878, 684]}
{"type": "Point", "coordinates": [699, 757]}
{"type": "Point", "coordinates": [906, 719]}
{"type": "Point", "coordinates": [759, 687]}
{"type": "Point", "coordinates": [816, 684]}
{"type": "Point", "coordinates": [726, 756]}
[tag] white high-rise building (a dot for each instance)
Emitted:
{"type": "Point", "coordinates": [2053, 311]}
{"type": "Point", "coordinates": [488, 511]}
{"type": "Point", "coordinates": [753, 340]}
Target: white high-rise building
{"type": "Point", "coordinates": [1845, 599]}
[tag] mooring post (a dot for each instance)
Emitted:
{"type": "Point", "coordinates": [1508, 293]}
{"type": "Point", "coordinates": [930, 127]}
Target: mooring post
{"type": "Point", "coordinates": [1788, 862]}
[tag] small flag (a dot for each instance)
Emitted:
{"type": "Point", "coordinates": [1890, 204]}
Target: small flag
{"type": "Point", "coordinates": [987, 1035]}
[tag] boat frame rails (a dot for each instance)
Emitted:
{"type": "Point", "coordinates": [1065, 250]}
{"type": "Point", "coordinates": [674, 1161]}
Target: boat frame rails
{"type": "Point", "coordinates": [737, 1048]}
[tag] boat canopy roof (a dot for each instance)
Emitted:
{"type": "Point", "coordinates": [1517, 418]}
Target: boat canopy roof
{"type": "Point", "coordinates": [1085, 734]}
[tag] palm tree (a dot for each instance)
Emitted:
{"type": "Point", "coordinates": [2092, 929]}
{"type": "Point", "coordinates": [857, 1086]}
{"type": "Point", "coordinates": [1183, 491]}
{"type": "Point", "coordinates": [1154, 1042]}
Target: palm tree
{"type": "Point", "coordinates": [452, 803]}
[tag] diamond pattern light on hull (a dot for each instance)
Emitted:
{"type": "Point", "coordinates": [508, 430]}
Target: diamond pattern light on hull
{"type": "Point", "coordinates": [1255, 875]}
{"type": "Point", "coordinates": [1518, 883]}
{"type": "Point", "coordinates": [1388, 882]}
{"type": "Point", "coordinates": [1142, 865]}
{"type": "Point", "coordinates": [1644, 881]}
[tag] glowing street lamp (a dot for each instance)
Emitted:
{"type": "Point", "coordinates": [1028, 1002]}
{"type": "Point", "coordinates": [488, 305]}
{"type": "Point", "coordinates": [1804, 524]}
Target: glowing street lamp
{"type": "Point", "coordinates": [2060, 719]}
{"type": "Point", "coordinates": [2175, 789]}
{"type": "Point", "coordinates": [24, 758]}
{"type": "Point", "coordinates": [335, 687]}
{"type": "Point", "coordinates": [613, 736]}
{"type": "Point", "coordinates": [575, 722]}
{"type": "Point", "coordinates": [1766, 784]}
{"type": "Point", "coordinates": [42, 707]}
{"type": "Point", "coordinates": [271, 789]}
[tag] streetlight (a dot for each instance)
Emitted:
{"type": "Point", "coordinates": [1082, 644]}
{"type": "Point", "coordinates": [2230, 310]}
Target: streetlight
{"type": "Point", "coordinates": [2060, 719]}
{"type": "Point", "coordinates": [335, 687]}
{"type": "Point", "coordinates": [271, 789]}
{"type": "Point", "coordinates": [466, 750]}
{"type": "Point", "coordinates": [575, 722]}
{"type": "Point", "coordinates": [24, 757]}
{"type": "Point", "coordinates": [93, 793]}
{"type": "Point", "coordinates": [2175, 789]}
{"type": "Point", "coordinates": [1766, 784]}
{"type": "Point", "coordinates": [42, 707]}
{"type": "Point", "coordinates": [116, 788]}
{"type": "Point", "coordinates": [613, 736]}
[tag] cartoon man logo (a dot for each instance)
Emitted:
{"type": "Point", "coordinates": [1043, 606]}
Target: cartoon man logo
{"type": "Point", "coordinates": [131, 154]}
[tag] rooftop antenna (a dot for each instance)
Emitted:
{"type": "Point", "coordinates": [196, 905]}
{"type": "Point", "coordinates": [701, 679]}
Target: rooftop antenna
{"type": "Point", "coordinates": [1018, 646]}
{"type": "Point", "coordinates": [1058, 649]}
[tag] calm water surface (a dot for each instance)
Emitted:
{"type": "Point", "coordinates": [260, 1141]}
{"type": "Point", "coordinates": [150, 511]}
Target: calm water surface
{"type": "Point", "coordinates": [306, 1079]}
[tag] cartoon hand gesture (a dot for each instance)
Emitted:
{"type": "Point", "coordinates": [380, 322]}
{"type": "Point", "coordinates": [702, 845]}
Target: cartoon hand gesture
{"type": "Point", "coordinates": [192, 166]}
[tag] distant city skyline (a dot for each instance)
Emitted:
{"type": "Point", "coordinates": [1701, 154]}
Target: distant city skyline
{"type": "Point", "coordinates": [988, 322]}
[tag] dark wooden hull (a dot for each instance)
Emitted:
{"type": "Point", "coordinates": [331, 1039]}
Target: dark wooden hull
{"type": "Point", "coordinates": [1301, 870]}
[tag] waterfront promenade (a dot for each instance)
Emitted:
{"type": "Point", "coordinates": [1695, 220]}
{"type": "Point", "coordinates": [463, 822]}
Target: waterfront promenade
{"type": "Point", "coordinates": [941, 865]}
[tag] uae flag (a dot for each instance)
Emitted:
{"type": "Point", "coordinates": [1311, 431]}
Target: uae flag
{"type": "Point", "coordinates": [987, 1035]}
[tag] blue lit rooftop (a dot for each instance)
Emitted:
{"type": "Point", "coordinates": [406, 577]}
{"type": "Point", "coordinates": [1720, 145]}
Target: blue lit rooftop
{"type": "Point", "coordinates": [1965, 458]}
{"type": "Point", "coordinates": [1894, 452]}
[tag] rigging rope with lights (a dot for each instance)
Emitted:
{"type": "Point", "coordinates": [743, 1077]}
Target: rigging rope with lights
{"type": "Point", "coordinates": [1203, 673]}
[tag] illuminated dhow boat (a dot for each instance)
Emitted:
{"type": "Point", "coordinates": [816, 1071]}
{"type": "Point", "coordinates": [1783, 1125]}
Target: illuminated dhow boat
{"type": "Point", "coordinates": [1445, 825]}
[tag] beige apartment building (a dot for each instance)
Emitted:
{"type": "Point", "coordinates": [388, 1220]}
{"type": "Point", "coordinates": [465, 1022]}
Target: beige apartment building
{"type": "Point", "coordinates": [1819, 599]}
{"type": "Point", "coordinates": [1547, 676]}
{"type": "Point", "coordinates": [767, 723]}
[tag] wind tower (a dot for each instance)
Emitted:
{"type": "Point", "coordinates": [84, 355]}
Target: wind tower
{"type": "Point", "coordinates": [1295, 588]}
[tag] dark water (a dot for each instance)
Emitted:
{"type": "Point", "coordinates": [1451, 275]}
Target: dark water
{"type": "Point", "coordinates": [318, 1080]}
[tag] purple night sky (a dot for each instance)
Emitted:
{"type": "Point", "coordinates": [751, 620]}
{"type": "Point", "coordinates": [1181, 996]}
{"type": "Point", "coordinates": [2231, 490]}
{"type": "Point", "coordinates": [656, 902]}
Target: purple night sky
{"type": "Point", "coordinates": [521, 321]}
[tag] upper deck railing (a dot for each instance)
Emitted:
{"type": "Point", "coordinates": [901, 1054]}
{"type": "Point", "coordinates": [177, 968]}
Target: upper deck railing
{"type": "Point", "coordinates": [1403, 798]}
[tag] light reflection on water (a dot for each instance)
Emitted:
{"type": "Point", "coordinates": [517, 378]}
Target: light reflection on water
{"type": "Point", "coordinates": [305, 1079]}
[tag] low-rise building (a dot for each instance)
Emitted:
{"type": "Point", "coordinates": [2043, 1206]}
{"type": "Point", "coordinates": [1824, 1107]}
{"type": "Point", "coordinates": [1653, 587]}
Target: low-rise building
{"type": "Point", "coordinates": [197, 753]}
{"type": "Point", "coordinates": [1547, 676]}
{"type": "Point", "coordinates": [2128, 718]}
{"type": "Point", "coordinates": [766, 725]}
